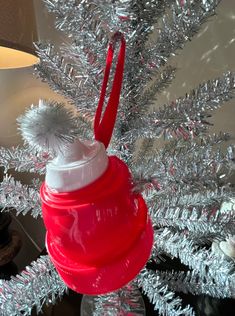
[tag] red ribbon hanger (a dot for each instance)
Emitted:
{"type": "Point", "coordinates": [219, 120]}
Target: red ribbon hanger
{"type": "Point", "coordinates": [103, 127]}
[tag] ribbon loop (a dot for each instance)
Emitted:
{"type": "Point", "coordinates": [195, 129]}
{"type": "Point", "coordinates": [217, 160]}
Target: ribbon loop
{"type": "Point", "coordinates": [103, 127]}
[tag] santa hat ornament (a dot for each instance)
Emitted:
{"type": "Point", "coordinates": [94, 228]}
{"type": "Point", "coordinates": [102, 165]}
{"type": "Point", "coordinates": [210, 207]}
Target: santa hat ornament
{"type": "Point", "coordinates": [99, 235]}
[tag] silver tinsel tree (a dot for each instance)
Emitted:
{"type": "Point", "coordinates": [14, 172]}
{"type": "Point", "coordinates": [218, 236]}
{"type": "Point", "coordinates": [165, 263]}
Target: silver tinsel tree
{"type": "Point", "coordinates": [185, 182]}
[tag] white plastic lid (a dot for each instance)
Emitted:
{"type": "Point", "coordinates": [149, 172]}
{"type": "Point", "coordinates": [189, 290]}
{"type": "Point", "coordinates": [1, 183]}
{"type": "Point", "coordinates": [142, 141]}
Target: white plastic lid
{"type": "Point", "coordinates": [80, 165]}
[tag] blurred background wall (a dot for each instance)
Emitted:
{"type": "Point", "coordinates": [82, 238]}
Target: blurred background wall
{"type": "Point", "coordinates": [210, 53]}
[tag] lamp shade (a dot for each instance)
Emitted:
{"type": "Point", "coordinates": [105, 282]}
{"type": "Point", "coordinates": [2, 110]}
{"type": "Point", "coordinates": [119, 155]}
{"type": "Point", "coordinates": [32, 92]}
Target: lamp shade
{"type": "Point", "coordinates": [17, 34]}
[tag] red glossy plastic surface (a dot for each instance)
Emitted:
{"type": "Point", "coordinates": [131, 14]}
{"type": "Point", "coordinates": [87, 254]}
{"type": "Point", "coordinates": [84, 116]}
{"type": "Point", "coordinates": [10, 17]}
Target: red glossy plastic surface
{"type": "Point", "coordinates": [99, 237]}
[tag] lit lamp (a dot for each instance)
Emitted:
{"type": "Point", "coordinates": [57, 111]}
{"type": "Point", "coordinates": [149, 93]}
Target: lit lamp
{"type": "Point", "coordinates": [17, 34]}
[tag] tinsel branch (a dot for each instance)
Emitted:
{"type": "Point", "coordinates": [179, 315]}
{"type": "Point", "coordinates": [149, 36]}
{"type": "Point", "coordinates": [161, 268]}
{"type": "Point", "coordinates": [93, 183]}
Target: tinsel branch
{"type": "Point", "coordinates": [160, 83]}
{"type": "Point", "coordinates": [82, 21]}
{"type": "Point", "coordinates": [145, 150]}
{"type": "Point", "coordinates": [142, 16]}
{"type": "Point", "coordinates": [85, 121]}
{"type": "Point", "coordinates": [178, 26]}
{"type": "Point", "coordinates": [23, 160]}
{"type": "Point", "coordinates": [160, 296]}
{"type": "Point", "coordinates": [20, 197]}
{"type": "Point", "coordinates": [188, 166]}
{"type": "Point", "coordinates": [183, 185]}
{"type": "Point", "coordinates": [133, 16]}
{"type": "Point", "coordinates": [215, 139]}
{"type": "Point", "coordinates": [148, 149]}
{"type": "Point", "coordinates": [38, 284]}
{"type": "Point", "coordinates": [191, 282]}
{"type": "Point", "coordinates": [101, 18]}
{"type": "Point", "coordinates": [204, 239]}
{"type": "Point", "coordinates": [178, 244]}
{"type": "Point", "coordinates": [198, 213]}
{"type": "Point", "coordinates": [73, 17]}
{"type": "Point", "coordinates": [187, 116]}
{"type": "Point", "coordinates": [139, 102]}
{"type": "Point", "coordinates": [72, 81]}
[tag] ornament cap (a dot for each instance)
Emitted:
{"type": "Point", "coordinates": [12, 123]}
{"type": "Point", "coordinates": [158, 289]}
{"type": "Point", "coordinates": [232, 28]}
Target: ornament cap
{"type": "Point", "coordinates": [80, 164]}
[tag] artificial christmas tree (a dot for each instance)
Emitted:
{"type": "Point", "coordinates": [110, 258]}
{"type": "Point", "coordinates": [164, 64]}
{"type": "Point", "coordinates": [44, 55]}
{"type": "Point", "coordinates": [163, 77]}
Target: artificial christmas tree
{"type": "Point", "coordinates": [184, 183]}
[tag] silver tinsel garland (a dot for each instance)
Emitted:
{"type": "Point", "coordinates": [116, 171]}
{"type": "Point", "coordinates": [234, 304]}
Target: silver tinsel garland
{"type": "Point", "coordinates": [178, 26]}
{"type": "Point", "coordinates": [179, 245]}
{"type": "Point", "coordinates": [147, 148]}
{"type": "Point", "coordinates": [192, 282]}
{"type": "Point", "coordinates": [198, 213]}
{"type": "Point", "coordinates": [23, 160]}
{"type": "Point", "coordinates": [184, 183]}
{"type": "Point", "coordinates": [20, 197]}
{"type": "Point", "coordinates": [182, 167]}
{"type": "Point", "coordinates": [37, 285]}
{"type": "Point", "coordinates": [186, 117]}
{"type": "Point", "coordinates": [161, 296]}
{"type": "Point", "coordinates": [160, 82]}
{"type": "Point", "coordinates": [67, 79]}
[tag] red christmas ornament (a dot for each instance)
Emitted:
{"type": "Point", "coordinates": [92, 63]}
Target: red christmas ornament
{"type": "Point", "coordinates": [99, 235]}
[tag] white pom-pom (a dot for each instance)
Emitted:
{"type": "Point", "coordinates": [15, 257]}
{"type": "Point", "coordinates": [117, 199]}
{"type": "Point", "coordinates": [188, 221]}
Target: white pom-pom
{"type": "Point", "coordinates": [48, 126]}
